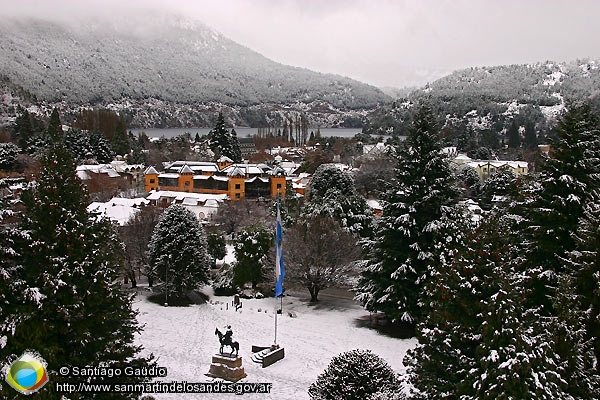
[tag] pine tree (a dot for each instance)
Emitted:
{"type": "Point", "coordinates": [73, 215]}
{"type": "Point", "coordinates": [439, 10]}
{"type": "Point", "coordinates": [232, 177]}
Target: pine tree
{"type": "Point", "coordinates": [447, 334]}
{"type": "Point", "coordinates": [136, 156]}
{"type": "Point", "coordinates": [502, 183]}
{"type": "Point", "coordinates": [514, 137]}
{"type": "Point", "coordinates": [54, 130]}
{"type": "Point", "coordinates": [223, 142]}
{"type": "Point", "coordinates": [480, 340]}
{"type": "Point", "coordinates": [16, 297]}
{"type": "Point", "coordinates": [333, 194]}
{"type": "Point", "coordinates": [73, 260]}
{"type": "Point", "coordinates": [530, 140]}
{"type": "Point", "coordinates": [551, 213]}
{"type": "Point", "coordinates": [89, 146]}
{"type": "Point", "coordinates": [177, 252]}
{"type": "Point", "coordinates": [218, 137]}
{"type": "Point", "coordinates": [8, 155]}
{"type": "Point", "coordinates": [119, 141]}
{"type": "Point", "coordinates": [252, 246]}
{"type": "Point", "coordinates": [354, 375]}
{"type": "Point", "coordinates": [235, 153]}
{"type": "Point", "coordinates": [555, 201]}
{"type": "Point", "coordinates": [514, 358]}
{"type": "Point", "coordinates": [23, 128]}
{"type": "Point", "coordinates": [399, 262]}
{"type": "Point", "coordinates": [579, 296]}
{"type": "Point", "coordinates": [216, 245]}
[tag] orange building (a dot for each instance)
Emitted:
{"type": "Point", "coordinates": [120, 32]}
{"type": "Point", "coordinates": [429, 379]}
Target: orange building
{"type": "Point", "coordinates": [238, 181]}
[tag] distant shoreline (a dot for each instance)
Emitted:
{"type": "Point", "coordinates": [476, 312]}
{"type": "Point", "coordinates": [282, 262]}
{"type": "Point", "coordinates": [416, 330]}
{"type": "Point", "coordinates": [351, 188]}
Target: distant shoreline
{"type": "Point", "coordinates": [241, 132]}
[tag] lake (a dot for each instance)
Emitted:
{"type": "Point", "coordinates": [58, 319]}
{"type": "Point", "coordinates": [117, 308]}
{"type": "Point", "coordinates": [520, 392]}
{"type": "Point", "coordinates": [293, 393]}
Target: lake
{"type": "Point", "coordinates": [241, 132]}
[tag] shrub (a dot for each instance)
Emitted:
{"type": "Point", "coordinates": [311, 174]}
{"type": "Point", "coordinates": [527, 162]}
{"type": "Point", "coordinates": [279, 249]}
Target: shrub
{"type": "Point", "coordinates": [354, 375]}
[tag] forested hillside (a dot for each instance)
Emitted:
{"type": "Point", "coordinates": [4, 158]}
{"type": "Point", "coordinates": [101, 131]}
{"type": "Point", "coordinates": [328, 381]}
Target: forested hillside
{"type": "Point", "coordinates": [149, 62]}
{"type": "Point", "coordinates": [486, 100]}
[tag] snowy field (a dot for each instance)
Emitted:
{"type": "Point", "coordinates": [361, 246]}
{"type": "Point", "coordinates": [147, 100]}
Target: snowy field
{"type": "Point", "coordinates": [183, 340]}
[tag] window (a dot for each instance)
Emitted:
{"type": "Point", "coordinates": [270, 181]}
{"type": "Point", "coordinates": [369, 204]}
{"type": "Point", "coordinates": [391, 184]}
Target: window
{"type": "Point", "coordinates": [152, 180]}
{"type": "Point", "coordinates": [279, 186]}
{"type": "Point", "coordinates": [237, 196]}
{"type": "Point", "coordinates": [237, 186]}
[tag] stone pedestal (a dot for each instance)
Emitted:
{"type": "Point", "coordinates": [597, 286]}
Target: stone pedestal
{"type": "Point", "coordinates": [228, 368]}
{"type": "Point", "coordinates": [267, 355]}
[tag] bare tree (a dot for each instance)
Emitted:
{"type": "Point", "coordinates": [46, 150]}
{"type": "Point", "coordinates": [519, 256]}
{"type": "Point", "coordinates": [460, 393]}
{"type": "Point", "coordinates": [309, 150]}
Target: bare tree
{"type": "Point", "coordinates": [135, 236]}
{"type": "Point", "coordinates": [319, 254]}
{"type": "Point", "coordinates": [235, 215]}
{"type": "Point", "coordinates": [373, 174]}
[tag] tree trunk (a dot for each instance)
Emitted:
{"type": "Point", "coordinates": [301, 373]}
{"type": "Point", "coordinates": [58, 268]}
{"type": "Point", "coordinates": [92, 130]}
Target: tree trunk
{"type": "Point", "coordinates": [133, 280]}
{"type": "Point", "coordinates": [130, 273]}
{"type": "Point", "coordinates": [314, 292]}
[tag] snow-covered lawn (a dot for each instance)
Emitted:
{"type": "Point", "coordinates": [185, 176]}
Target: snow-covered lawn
{"type": "Point", "coordinates": [183, 339]}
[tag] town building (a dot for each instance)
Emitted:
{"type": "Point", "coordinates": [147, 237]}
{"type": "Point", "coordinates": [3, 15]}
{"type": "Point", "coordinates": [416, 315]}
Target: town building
{"type": "Point", "coordinates": [486, 168]}
{"type": "Point", "coordinates": [237, 181]}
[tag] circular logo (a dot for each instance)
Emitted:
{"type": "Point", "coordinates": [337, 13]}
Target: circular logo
{"type": "Point", "coordinates": [27, 374]}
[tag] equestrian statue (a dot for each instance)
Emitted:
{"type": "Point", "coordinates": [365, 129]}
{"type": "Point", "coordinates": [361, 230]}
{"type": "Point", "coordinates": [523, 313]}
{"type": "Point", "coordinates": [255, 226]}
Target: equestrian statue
{"type": "Point", "coordinates": [226, 340]}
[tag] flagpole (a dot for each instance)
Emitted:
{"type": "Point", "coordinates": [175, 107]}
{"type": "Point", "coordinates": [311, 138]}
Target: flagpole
{"type": "Point", "coordinates": [279, 269]}
{"type": "Point", "coordinates": [275, 321]}
{"type": "Point", "coordinates": [276, 266]}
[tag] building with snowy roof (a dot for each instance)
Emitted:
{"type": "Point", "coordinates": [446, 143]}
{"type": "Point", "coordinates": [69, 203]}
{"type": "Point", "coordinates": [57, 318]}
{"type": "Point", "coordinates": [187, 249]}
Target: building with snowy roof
{"type": "Point", "coordinates": [374, 150]}
{"type": "Point", "coordinates": [237, 181]}
{"type": "Point", "coordinates": [119, 210]}
{"type": "Point", "coordinates": [486, 168]}
{"type": "Point", "coordinates": [201, 204]}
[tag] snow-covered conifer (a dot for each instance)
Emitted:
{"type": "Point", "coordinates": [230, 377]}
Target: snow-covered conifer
{"type": "Point", "coordinates": [223, 142]}
{"type": "Point", "coordinates": [177, 252]}
{"type": "Point", "coordinates": [578, 301]}
{"type": "Point", "coordinates": [235, 153]}
{"type": "Point", "coordinates": [480, 339]}
{"type": "Point", "coordinates": [15, 295]}
{"type": "Point", "coordinates": [555, 201]}
{"type": "Point", "coordinates": [251, 250]}
{"type": "Point", "coordinates": [402, 254]}
{"type": "Point", "coordinates": [451, 302]}
{"type": "Point", "coordinates": [553, 206]}
{"type": "Point", "coordinates": [8, 155]}
{"type": "Point", "coordinates": [502, 183]}
{"type": "Point", "coordinates": [72, 262]}
{"type": "Point", "coordinates": [119, 141]}
{"type": "Point", "coordinates": [354, 375]}
{"type": "Point", "coordinates": [92, 145]}
{"type": "Point", "coordinates": [329, 177]}
{"type": "Point", "coordinates": [333, 194]}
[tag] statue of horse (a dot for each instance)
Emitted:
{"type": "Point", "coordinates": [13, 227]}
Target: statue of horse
{"type": "Point", "coordinates": [225, 340]}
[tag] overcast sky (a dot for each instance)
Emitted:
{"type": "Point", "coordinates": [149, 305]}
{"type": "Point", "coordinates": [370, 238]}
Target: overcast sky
{"type": "Point", "coordinates": [387, 42]}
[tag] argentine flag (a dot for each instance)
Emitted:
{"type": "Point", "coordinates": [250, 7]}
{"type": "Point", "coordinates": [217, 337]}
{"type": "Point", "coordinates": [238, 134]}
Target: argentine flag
{"type": "Point", "coordinates": [279, 270]}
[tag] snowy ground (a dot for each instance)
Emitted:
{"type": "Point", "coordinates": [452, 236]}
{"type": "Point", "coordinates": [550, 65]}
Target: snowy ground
{"type": "Point", "coordinates": [183, 340]}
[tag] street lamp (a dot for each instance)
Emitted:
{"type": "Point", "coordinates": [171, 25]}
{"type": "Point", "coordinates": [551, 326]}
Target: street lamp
{"type": "Point", "coordinates": [167, 282]}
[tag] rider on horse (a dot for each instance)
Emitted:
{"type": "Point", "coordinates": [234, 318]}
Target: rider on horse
{"type": "Point", "coordinates": [227, 340]}
{"type": "Point", "coordinates": [228, 337]}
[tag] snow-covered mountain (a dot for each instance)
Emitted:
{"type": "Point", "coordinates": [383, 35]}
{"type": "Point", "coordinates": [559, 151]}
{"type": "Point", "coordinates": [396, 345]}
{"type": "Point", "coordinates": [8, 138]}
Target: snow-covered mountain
{"type": "Point", "coordinates": [163, 57]}
{"type": "Point", "coordinates": [489, 98]}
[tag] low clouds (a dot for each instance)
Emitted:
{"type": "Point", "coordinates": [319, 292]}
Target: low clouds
{"type": "Point", "coordinates": [382, 42]}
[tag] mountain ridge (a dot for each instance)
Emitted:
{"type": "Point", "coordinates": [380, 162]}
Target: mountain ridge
{"type": "Point", "coordinates": [483, 102]}
{"type": "Point", "coordinates": [175, 59]}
